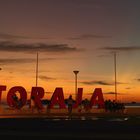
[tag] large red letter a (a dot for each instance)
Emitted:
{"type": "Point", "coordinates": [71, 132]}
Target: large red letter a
{"type": "Point", "coordinates": [97, 94]}
{"type": "Point", "coordinates": [58, 98]}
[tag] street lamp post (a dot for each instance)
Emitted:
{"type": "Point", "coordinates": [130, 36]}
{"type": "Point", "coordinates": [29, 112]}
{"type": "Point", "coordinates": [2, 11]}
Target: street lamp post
{"type": "Point", "coordinates": [37, 70]}
{"type": "Point", "coordinates": [115, 73]}
{"type": "Point", "coordinates": [76, 72]}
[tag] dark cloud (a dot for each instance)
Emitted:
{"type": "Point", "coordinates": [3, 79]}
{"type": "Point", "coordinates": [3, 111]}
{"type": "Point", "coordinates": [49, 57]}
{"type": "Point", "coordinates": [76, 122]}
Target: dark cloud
{"type": "Point", "coordinates": [10, 36]}
{"type": "Point", "coordinates": [88, 37]}
{"type": "Point", "coordinates": [113, 93]}
{"type": "Point", "coordinates": [97, 83]}
{"type": "Point", "coordinates": [42, 77]}
{"type": "Point", "coordinates": [100, 83]}
{"type": "Point", "coordinates": [128, 88]}
{"type": "Point", "coordinates": [138, 79]}
{"type": "Point", "coordinates": [21, 60]}
{"type": "Point", "coordinates": [38, 47]}
{"type": "Point", "coordinates": [123, 48]}
{"type": "Point", "coordinates": [16, 60]}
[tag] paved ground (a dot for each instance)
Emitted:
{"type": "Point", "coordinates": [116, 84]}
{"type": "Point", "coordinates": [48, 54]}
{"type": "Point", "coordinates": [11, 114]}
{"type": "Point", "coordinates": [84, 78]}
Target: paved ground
{"type": "Point", "coordinates": [75, 128]}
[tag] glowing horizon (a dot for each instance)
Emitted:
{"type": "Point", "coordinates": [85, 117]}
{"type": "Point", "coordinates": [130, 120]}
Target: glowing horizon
{"type": "Point", "coordinates": [71, 35]}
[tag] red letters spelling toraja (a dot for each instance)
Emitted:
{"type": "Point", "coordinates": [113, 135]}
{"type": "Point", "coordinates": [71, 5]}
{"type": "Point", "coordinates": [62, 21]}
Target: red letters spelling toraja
{"type": "Point", "coordinates": [56, 99]}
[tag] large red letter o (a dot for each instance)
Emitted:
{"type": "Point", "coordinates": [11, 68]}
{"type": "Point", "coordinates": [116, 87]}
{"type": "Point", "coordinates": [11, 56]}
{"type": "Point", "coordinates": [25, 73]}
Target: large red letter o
{"type": "Point", "coordinates": [11, 93]}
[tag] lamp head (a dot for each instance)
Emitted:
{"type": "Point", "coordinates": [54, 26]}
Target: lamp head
{"type": "Point", "coordinates": [76, 71]}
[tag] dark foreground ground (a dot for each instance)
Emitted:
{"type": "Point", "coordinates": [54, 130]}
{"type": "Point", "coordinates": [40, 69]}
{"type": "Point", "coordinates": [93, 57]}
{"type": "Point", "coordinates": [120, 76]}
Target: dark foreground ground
{"type": "Point", "coordinates": [75, 128]}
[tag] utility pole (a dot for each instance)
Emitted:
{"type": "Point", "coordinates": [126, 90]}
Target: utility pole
{"type": "Point", "coordinates": [37, 70]}
{"type": "Point", "coordinates": [115, 73]}
{"type": "Point", "coordinates": [76, 72]}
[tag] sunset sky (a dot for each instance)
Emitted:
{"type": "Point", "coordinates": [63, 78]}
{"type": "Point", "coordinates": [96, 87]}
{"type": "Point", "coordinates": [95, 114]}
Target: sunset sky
{"type": "Point", "coordinates": [71, 35]}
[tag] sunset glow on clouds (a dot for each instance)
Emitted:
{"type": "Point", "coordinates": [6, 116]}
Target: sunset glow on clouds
{"type": "Point", "coordinates": [71, 35]}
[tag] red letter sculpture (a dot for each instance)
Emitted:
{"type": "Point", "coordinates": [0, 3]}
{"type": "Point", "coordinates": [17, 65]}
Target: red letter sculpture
{"type": "Point", "coordinates": [58, 99]}
{"type": "Point", "coordinates": [78, 97]}
{"type": "Point", "coordinates": [15, 102]}
{"type": "Point", "coordinates": [37, 93]}
{"type": "Point", "coordinates": [2, 88]}
{"type": "Point", "coordinates": [97, 94]}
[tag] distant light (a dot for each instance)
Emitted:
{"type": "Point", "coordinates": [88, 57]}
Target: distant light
{"type": "Point", "coordinates": [125, 119]}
